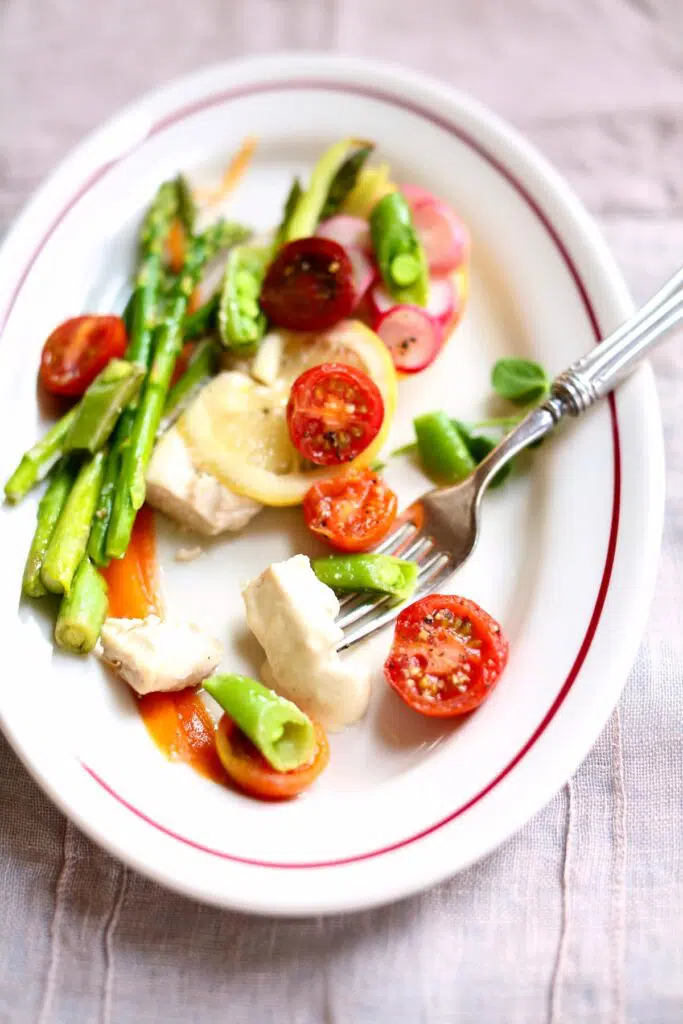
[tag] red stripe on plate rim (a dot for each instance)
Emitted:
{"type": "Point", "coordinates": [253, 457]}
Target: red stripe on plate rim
{"type": "Point", "coordinates": [239, 92]}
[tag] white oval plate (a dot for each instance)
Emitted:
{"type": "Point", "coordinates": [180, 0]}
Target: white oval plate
{"type": "Point", "coordinates": [567, 554]}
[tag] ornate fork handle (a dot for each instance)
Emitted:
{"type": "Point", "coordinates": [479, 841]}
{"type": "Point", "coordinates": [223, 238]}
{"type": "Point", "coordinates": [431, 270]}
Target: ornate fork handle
{"type": "Point", "coordinates": [594, 375]}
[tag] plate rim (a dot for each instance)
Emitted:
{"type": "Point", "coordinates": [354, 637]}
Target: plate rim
{"type": "Point", "coordinates": [279, 70]}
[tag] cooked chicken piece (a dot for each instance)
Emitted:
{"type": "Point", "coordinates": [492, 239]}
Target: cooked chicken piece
{"type": "Point", "coordinates": [151, 654]}
{"type": "Point", "coordinates": [190, 496]}
{"type": "Point", "coordinates": [291, 614]}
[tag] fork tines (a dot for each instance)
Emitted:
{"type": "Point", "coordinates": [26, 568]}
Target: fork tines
{"type": "Point", "coordinates": [367, 613]}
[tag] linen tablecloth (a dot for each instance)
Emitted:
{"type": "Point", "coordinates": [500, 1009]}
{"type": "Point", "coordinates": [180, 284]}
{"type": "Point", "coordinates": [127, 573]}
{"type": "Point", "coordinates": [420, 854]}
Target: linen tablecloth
{"type": "Point", "coordinates": [578, 918]}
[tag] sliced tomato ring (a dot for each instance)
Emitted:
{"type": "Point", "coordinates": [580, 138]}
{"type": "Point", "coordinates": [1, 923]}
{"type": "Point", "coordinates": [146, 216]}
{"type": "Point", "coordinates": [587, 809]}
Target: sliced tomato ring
{"type": "Point", "coordinates": [447, 656]}
{"type": "Point", "coordinates": [444, 237]}
{"type": "Point", "coordinates": [334, 413]}
{"type": "Point", "coordinates": [309, 285]}
{"type": "Point", "coordinates": [352, 513]}
{"type": "Point", "coordinates": [413, 338]}
{"type": "Point", "coordinates": [250, 771]}
{"type": "Point", "coordinates": [78, 350]}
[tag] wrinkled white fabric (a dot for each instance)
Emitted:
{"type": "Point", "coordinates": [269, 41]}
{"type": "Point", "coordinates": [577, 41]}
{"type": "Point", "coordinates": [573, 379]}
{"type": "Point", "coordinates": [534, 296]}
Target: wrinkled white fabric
{"type": "Point", "coordinates": [579, 917]}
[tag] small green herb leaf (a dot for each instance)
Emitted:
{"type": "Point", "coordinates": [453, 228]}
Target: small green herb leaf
{"type": "Point", "coordinates": [519, 380]}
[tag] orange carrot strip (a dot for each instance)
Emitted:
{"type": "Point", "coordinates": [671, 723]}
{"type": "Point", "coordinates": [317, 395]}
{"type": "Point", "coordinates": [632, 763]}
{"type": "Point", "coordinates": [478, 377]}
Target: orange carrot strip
{"type": "Point", "coordinates": [234, 172]}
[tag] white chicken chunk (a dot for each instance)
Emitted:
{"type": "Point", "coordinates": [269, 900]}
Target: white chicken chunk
{"type": "Point", "coordinates": [291, 614]}
{"type": "Point", "coordinates": [190, 496]}
{"type": "Point", "coordinates": [153, 654]}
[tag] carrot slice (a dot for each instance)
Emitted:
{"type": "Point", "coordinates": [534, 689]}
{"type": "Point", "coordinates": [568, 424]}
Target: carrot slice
{"type": "Point", "coordinates": [133, 581]}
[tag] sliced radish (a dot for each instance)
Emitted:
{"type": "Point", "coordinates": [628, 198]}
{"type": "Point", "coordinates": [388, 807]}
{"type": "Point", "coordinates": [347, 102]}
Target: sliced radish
{"type": "Point", "coordinates": [443, 235]}
{"type": "Point", "coordinates": [363, 271]}
{"type": "Point", "coordinates": [440, 306]}
{"type": "Point", "coordinates": [415, 194]}
{"type": "Point", "coordinates": [347, 230]}
{"type": "Point", "coordinates": [441, 301]}
{"type": "Point", "coordinates": [412, 337]}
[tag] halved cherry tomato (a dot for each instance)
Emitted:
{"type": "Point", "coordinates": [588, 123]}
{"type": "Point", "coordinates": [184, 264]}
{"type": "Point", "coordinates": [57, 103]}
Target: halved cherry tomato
{"type": "Point", "coordinates": [334, 412]}
{"type": "Point", "coordinates": [447, 656]}
{"type": "Point", "coordinates": [309, 285]}
{"type": "Point", "coordinates": [249, 770]}
{"type": "Point", "coordinates": [352, 512]}
{"type": "Point", "coordinates": [78, 350]}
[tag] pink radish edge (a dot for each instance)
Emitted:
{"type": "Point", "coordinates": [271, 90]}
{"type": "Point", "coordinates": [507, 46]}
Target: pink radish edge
{"type": "Point", "coordinates": [413, 338]}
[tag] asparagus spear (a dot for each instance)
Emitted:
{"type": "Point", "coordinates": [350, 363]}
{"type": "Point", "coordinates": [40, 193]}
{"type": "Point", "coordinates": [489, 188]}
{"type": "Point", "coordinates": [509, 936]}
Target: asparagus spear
{"type": "Point", "coordinates": [130, 489]}
{"type": "Point", "coordinates": [141, 313]}
{"type": "Point", "coordinates": [49, 510]}
{"type": "Point", "coordinates": [201, 366]}
{"type": "Point", "coordinates": [69, 539]}
{"type": "Point", "coordinates": [100, 408]}
{"type": "Point", "coordinates": [38, 460]}
{"type": "Point", "coordinates": [82, 611]}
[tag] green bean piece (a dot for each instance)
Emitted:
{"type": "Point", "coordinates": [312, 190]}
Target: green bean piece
{"type": "Point", "coordinates": [36, 463]}
{"type": "Point", "coordinates": [382, 573]}
{"type": "Point", "coordinates": [291, 202]}
{"type": "Point", "coordinates": [345, 180]}
{"type": "Point", "coordinates": [203, 320]}
{"type": "Point", "coordinates": [241, 321]}
{"type": "Point", "coordinates": [82, 611]}
{"type": "Point", "coordinates": [69, 538]}
{"type": "Point", "coordinates": [101, 405]}
{"type": "Point", "coordinates": [443, 453]}
{"type": "Point", "coordinates": [311, 203]}
{"type": "Point", "coordinates": [49, 511]}
{"type": "Point", "coordinates": [400, 256]}
{"type": "Point", "coordinates": [202, 365]}
{"type": "Point", "coordinates": [277, 728]}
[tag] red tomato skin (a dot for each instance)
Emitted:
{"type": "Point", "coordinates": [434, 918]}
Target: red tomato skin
{"type": "Point", "coordinates": [325, 503]}
{"type": "Point", "coordinates": [309, 286]}
{"type": "Point", "coordinates": [250, 771]}
{"type": "Point", "coordinates": [78, 350]}
{"type": "Point", "coordinates": [334, 413]}
{"type": "Point", "coordinates": [489, 660]}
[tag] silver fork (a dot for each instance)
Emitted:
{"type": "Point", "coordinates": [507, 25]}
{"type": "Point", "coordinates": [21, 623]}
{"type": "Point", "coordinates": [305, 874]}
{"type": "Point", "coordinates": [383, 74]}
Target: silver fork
{"type": "Point", "coordinates": [440, 529]}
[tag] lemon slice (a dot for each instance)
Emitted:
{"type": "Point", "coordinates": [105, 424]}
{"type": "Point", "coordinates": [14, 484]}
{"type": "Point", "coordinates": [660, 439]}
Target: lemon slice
{"type": "Point", "coordinates": [237, 428]}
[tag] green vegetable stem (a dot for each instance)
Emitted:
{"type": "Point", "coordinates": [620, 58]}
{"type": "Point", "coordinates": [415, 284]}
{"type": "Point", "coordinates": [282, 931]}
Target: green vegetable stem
{"type": "Point", "coordinates": [129, 494]}
{"type": "Point", "coordinates": [400, 256]}
{"type": "Point", "coordinates": [140, 316]}
{"type": "Point", "coordinates": [37, 462]}
{"type": "Point", "coordinates": [291, 202]}
{"type": "Point", "coordinates": [49, 511]}
{"type": "Point", "coordinates": [442, 450]}
{"type": "Point", "coordinates": [280, 731]}
{"type": "Point", "coordinates": [311, 203]}
{"type": "Point", "coordinates": [382, 573]}
{"type": "Point", "coordinates": [82, 611]}
{"type": "Point", "coordinates": [101, 405]}
{"type": "Point", "coordinates": [69, 539]}
{"type": "Point", "coordinates": [202, 320]}
{"type": "Point", "coordinates": [202, 365]}
{"type": "Point", "coordinates": [345, 180]}
{"type": "Point", "coordinates": [241, 321]}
